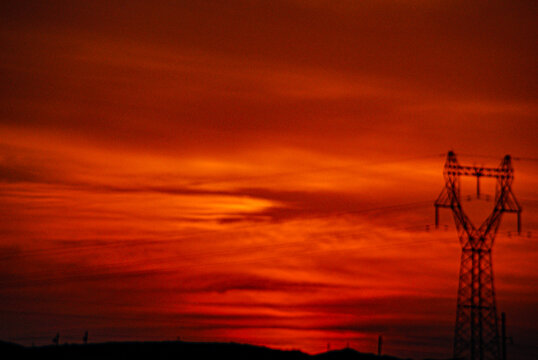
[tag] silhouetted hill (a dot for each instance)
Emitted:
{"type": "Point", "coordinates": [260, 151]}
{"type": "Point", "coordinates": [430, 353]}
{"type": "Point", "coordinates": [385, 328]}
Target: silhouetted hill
{"type": "Point", "coordinates": [172, 350]}
{"type": "Point", "coordinates": [350, 354]}
{"type": "Point", "coordinates": [8, 346]}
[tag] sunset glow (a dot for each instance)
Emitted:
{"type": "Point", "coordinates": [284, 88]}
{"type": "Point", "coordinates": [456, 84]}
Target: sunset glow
{"type": "Point", "coordinates": [259, 172]}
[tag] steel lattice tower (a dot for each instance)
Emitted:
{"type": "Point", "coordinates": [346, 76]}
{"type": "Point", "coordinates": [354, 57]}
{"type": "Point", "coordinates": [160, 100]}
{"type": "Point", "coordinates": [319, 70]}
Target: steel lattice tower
{"type": "Point", "coordinates": [476, 332]}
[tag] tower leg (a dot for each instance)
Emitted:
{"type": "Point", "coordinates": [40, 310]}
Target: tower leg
{"type": "Point", "coordinates": [476, 333]}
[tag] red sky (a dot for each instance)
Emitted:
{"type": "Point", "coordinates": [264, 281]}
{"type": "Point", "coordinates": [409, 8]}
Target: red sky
{"type": "Point", "coordinates": [259, 172]}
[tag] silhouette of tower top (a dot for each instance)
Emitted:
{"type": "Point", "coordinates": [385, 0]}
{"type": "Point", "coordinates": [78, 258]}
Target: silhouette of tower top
{"type": "Point", "coordinates": [476, 331]}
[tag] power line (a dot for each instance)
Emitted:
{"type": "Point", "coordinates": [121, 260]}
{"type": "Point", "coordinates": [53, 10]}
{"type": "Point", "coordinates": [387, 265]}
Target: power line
{"type": "Point", "coordinates": [518, 158]}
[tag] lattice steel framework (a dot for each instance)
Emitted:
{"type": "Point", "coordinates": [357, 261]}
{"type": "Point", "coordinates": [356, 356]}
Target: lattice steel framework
{"type": "Point", "coordinates": [476, 332]}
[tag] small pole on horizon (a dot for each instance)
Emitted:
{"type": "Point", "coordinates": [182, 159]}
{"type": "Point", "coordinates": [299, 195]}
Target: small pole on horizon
{"type": "Point", "coordinates": [85, 337]}
{"type": "Point", "coordinates": [56, 339]}
{"type": "Point", "coordinates": [379, 344]}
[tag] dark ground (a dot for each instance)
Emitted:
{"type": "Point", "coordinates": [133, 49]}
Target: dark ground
{"type": "Point", "coordinates": [171, 350]}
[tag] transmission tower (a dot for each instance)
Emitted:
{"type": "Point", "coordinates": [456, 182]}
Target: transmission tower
{"type": "Point", "coordinates": [476, 332]}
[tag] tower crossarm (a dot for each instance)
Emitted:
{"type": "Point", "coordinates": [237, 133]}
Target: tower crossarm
{"type": "Point", "coordinates": [505, 200]}
{"type": "Point", "coordinates": [478, 171]}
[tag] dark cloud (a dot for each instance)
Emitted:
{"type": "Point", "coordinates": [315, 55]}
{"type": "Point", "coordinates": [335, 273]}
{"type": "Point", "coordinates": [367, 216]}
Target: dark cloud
{"type": "Point", "coordinates": [462, 44]}
{"type": "Point", "coordinates": [217, 77]}
{"type": "Point", "coordinates": [222, 283]}
{"type": "Point", "coordinates": [11, 174]}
